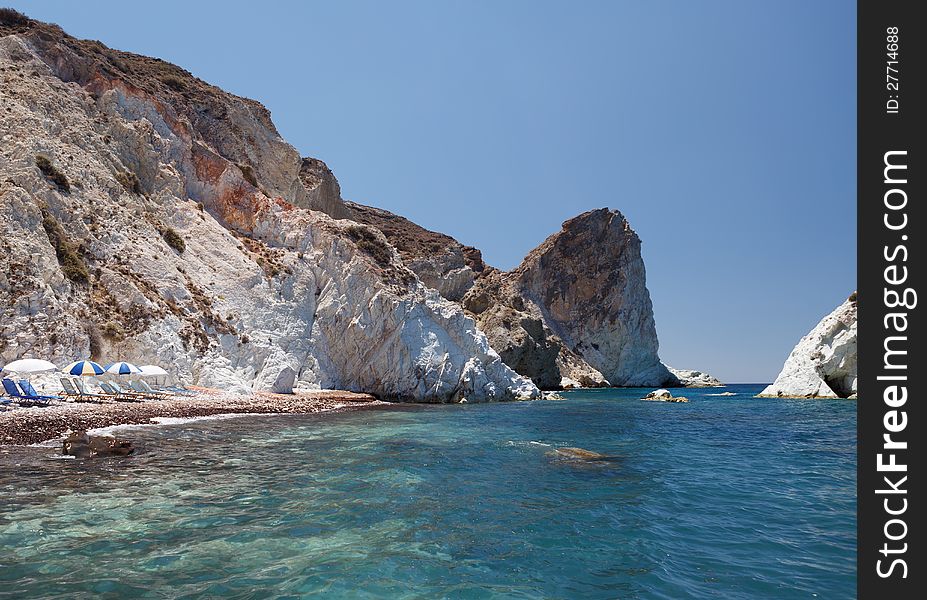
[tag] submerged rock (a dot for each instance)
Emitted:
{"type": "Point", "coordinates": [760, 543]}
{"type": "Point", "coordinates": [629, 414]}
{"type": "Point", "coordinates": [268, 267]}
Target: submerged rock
{"type": "Point", "coordinates": [82, 445]}
{"type": "Point", "coordinates": [576, 454]}
{"type": "Point", "coordinates": [823, 364]}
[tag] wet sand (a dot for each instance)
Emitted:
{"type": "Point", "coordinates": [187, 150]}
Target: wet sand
{"type": "Point", "coordinates": [23, 426]}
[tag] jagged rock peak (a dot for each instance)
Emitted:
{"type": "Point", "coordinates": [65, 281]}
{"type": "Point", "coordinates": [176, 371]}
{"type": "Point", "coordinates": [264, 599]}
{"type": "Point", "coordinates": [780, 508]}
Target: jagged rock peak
{"type": "Point", "coordinates": [577, 309]}
{"type": "Point", "coordinates": [823, 364]}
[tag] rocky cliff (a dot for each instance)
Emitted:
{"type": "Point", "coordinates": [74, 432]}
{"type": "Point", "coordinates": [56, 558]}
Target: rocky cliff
{"type": "Point", "coordinates": [147, 215]}
{"type": "Point", "coordinates": [577, 310]}
{"type": "Point", "coordinates": [440, 261]}
{"type": "Point", "coordinates": [823, 364]}
{"type": "Point", "coordinates": [150, 216]}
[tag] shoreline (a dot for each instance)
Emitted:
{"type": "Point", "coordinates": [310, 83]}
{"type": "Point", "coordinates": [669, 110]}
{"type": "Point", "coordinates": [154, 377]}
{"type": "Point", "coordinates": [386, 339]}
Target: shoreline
{"type": "Point", "coordinates": [35, 425]}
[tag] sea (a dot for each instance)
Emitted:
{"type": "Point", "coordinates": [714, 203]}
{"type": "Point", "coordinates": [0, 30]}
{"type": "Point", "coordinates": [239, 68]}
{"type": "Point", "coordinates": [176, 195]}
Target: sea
{"type": "Point", "coordinates": [722, 497]}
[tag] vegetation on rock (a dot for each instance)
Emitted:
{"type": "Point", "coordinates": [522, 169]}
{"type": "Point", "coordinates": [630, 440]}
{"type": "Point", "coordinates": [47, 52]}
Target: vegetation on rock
{"type": "Point", "coordinates": [368, 243]}
{"type": "Point", "coordinates": [52, 173]}
{"type": "Point", "coordinates": [72, 265]}
{"type": "Point", "coordinates": [130, 182]}
{"type": "Point", "coordinates": [173, 240]}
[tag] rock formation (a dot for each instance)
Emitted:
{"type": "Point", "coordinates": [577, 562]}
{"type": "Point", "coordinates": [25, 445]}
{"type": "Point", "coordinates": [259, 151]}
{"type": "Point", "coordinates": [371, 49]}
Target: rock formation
{"type": "Point", "coordinates": [82, 445]}
{"type": "Point", "coordinates": [823, 364]}
{"type": "Point", "coordinates": [664, 396]}
{"type": "Point", "coordinates": [149, 215]}
{"type": "Point", "coordinates": [691, 378]}
{"type": "Point", "coordinates": [577, 310]}
{"type": "Point", "coordinates": [440, 261]}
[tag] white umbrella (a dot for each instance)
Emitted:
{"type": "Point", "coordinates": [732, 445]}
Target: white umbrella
{"type": "Point", "coordinates": [30, 365]}
{"type": "Point", "coordinates": [152, 371]}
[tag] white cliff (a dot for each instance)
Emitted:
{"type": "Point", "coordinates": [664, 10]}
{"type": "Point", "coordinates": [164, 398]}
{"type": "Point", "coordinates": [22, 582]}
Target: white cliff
{"type": "Point", "coordinates": [823, 364]}
{"type": "Point", "coordinates": [148, 216]}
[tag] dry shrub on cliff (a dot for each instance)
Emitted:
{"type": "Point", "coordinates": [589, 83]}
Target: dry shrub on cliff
{"type": "Point", "coordinates": [10, 17]}
{"type": "Point", "coordinates": [52, 173]}
{"type": "Point", "coordinates": [175, 83]}
{"type": "Point", "coordinates": [113, 331]}
{"type": "Point", "coordinates": [173, 239]}
{"type": "Point", "coordinates": [368, 242]}
{"type": "Point", "coordinates": [130, 182]}
{"type": "Point", "coordinates": [72, 265]}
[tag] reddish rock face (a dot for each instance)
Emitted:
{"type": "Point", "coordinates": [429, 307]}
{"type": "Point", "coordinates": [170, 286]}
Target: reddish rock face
{"type": "Point", "coordinates": [577, 308]}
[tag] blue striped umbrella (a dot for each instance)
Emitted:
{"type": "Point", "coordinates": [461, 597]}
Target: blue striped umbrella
{"type": "Point", "coordinates": [123, 368]}
{"type": "Point", "coordinates": [83, 367]}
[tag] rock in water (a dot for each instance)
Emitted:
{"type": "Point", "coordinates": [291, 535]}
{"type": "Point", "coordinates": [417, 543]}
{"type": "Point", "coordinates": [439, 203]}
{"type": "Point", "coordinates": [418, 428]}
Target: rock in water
{"type": "Point", "coordinates": [576, 312]}
{"type": "Point", "coordinates": [691, 378]}
{"type": "Point", "coordinates": [823, 364]}
{"type": "Point", "coordinates": [576, 454]}
{"type": "Point", "coordinates": [185, 232]}
{"type": "Point", "coordinates": [82, 445]}
{"type": "Point", "coordinates": [664, 396]}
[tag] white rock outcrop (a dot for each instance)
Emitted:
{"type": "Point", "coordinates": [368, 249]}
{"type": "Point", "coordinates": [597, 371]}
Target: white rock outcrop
{"type": "Point", "coordinates": [148, 216]}
{"type": "Point", "coordinates": [823, 364]}
{"type": "Point", "coordinates": [692, 378]}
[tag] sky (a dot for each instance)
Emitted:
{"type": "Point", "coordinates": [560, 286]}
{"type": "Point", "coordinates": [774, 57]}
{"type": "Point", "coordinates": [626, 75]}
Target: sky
{"type": "Point", "coordinates": [725, 131]}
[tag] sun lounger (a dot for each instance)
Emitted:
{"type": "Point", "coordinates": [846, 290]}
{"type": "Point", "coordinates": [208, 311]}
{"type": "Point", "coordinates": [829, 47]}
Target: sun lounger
{"type": "Point", "coordinates": [69, 390]}
{"type": "Point", "coordinates": [116, 393]}
{"type": "Point", "coordinates": [23, 399]}
{"type": "Point", "coordinates": [143, 388]}
{"type": "Point", "coordinates": [131, 392]}
{"type": "Point", "coordinates": [26, 386]}
{"type": "Point", "coordinates": [82, 391]}
{"type": "Point", "coordinates": [175, 389]}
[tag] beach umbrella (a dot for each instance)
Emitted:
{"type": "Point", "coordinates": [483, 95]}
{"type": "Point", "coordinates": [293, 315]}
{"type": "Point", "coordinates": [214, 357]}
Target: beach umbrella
{"type": "Point", "coordinates": [83, 367]}
{"type": "Point", "coordinates": [152, 371]}
{"type": "Point", "coordinates": [30, 365]}
{"type": "Point", "coordinates": [123, 368]}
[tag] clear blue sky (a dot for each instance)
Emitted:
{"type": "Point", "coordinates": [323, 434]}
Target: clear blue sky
{"type": "Point", "coordinates": [725, 132]}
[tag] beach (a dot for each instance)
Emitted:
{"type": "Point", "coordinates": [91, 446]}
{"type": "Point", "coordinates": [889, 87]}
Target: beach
{"type": "Point", "coordinates": [24, 426]}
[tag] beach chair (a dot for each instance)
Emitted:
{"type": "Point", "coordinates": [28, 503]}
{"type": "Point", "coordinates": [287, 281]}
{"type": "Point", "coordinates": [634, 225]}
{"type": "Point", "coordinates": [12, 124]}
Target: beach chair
{"type": "Point", "coordinates": [22, 399]}
{"type": "Point", "coordinates": [175, 389]}
{"type": "Point", "coordinates": [68, 389]}
{"type": "Point", "coordinates": [143, 388]}
{"type": "Point", "coordinates": [85, 395]}
{"type": "Point", "coordinates": [26, 386]}
{"type": "Point", "coordinates": [117, 393]}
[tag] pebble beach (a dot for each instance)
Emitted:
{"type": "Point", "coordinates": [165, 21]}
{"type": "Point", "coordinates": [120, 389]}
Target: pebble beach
{"type": "Point", "coordinates": [24, 426]}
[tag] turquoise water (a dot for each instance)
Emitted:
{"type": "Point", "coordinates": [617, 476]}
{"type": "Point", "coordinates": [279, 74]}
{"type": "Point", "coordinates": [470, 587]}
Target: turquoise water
{"type": "Point", "coordinates": [724, 497]}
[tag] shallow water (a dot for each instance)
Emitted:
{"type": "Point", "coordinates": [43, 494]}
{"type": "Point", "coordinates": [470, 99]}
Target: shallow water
{"type": "Point", "coordinates": [724, 497]}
